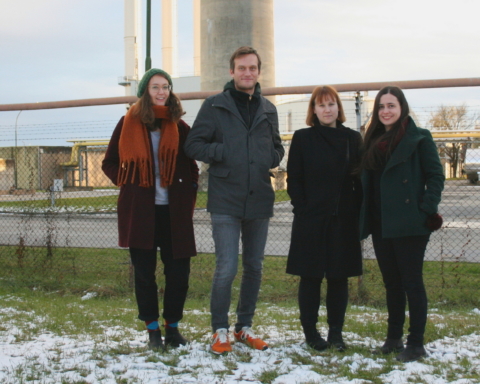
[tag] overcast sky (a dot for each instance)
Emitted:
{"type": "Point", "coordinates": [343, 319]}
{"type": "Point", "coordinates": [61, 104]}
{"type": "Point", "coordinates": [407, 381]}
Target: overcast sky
{"type": "Point", "coordinates": [59, 50]}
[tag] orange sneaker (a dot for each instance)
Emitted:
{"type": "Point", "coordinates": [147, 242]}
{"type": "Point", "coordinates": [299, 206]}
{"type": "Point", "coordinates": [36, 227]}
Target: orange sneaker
{"type": "Point", "coordinates": [246, 336]}
{"type": "Point", "coordinates": [220, 344]}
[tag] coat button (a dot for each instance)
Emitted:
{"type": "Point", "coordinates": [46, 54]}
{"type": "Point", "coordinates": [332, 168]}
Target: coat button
{"type": "Point", "coordinates": [251, 192]}
{"type": "Point", "coordinates": [407, 201]}
{"type": "Point", "coordinates": [180, 180]}
{"type": "Point", "coordinates": [405, 181]}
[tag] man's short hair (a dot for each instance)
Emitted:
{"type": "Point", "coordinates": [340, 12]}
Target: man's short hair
{"type": "Point", "coordinates": [242, 51]}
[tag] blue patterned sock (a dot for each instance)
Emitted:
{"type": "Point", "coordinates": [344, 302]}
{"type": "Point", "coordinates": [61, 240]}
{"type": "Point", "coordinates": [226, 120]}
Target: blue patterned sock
{"type": "Point", "coordinates": [152, 325]}
{"type": "Point", "coordinates": [171, 325]}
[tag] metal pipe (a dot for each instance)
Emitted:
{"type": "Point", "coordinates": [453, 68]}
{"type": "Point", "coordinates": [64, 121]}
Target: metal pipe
{"type": "Point", "coordinates": [357, 87]}
{"type": "Point", "coordinates": [436, 135]}
{"type": "Point", "coordinates": [307, 89]}
{"type": "Point", "coordinates": [454, 135]}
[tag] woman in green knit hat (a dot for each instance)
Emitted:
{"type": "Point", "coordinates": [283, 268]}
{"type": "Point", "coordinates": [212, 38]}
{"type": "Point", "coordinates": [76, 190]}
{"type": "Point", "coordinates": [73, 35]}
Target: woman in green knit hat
{"type": "Point", "coordinates": [158, 186]}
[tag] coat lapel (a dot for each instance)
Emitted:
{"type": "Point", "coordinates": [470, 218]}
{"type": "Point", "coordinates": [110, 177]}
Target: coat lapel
{"type": "Point", "coordinates": [226, 101]}
{"type": "Point", "coordinates": [261, 113]}
{"type": "Point", "coordinates": [406, 146]}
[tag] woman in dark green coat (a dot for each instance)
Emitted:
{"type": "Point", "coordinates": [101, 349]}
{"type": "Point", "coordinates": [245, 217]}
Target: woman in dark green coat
{"type": "Point", "coordinates": [402, 183]}
{"type": "Point", "coordinates": [326, 199]}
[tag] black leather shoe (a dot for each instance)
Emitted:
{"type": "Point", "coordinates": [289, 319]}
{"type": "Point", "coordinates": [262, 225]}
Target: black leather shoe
{"type": "Point", "coordinates": [335, 341]}
{"type": "Point", "coordinates": [411, 353]}
{"type": "Point", "coordinates": [155, 341]}
{"type": "Point", "coordinates": [317, 342]}
{"type": "Point", "coordinates": [390, 346]}
{"type": "Point", "coordinates": [173, 338]}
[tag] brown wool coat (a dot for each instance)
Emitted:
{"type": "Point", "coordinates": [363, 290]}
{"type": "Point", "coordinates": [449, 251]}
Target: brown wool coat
{"type": "Point", "coordinates": [136, 213]}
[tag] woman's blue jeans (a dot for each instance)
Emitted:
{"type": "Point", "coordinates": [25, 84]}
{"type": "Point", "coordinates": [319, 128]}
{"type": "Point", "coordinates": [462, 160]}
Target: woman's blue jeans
{"type": "Point", "coordinates": [226, 235]}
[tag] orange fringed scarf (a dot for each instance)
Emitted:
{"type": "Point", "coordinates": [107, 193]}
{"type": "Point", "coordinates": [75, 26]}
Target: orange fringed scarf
{"type": "Point", "coordinates": [134, 149]}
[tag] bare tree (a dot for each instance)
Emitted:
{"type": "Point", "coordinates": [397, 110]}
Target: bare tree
{"type": "Point", "coordinates": [452, 118]}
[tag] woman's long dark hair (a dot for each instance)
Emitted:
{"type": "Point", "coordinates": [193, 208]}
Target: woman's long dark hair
{"type": "Point", "coordinates": [145, 110]}
{"type": "Point", "coordinates": [374, 157]}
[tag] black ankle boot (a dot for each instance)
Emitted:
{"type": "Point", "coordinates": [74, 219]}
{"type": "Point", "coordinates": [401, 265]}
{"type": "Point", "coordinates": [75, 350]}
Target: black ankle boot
{"type": "Point", "coordinates": [390, 346]}
{"type": "Point", "coordinates": [315, 341]}
{"type": "Point", "coordinates": [411, 353]}
{"type": "Point", "coordinates": [335, 340]}
{"type": "Point", "coordinates": [173, 337]}
{"type": "Point", "coordinates": [155, 340]}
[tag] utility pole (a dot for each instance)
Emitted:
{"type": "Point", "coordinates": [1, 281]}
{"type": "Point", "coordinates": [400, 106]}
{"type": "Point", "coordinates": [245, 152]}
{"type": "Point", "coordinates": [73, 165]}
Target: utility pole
{"type": "Point", "coordinates": [148, 59]}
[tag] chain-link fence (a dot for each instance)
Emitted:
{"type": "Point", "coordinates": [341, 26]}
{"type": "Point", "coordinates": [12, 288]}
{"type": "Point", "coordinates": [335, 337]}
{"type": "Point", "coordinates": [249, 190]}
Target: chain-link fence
{"type": "Point", "coordinates": [59, 226]}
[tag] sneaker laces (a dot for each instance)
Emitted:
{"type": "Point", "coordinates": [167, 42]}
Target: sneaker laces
{"type": "Point", "coordinates": [221, 336]}
{"type": "Point", "coordinates": [247, 332]}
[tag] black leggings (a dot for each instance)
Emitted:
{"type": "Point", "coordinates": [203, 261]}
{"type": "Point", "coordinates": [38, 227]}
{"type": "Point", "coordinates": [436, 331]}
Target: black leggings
{"type": "Point", "coordinates": [176, 271]}
{"type": "Point", "coordinates": [309, 302]}
{"type": "Point", "coordinates": [401, 263]}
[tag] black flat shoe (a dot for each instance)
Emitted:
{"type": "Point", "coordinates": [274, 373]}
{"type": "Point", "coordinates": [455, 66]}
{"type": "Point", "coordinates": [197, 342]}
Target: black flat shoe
{"type": "Point", "coordinates": [390, 346]}
{"type": "Point", "coordinates": [155, 341]}
{"type": "Point", "coordinates": [173, 338]}
{"type": "Point", "coordinates": [411, 353]}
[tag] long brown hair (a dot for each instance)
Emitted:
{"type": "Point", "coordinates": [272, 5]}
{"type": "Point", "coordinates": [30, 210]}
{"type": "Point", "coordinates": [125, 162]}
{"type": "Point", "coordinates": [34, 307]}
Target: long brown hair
{"type": "Point", "coordinates": [376, 132]}
{"type": "Point", "coordinates": [145, 110]}
{"type": "Point", "coordinates": [322, 93]}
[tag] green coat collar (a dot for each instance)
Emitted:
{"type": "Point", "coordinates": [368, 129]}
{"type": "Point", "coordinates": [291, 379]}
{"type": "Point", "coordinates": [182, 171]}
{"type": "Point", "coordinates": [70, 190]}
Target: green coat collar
{"type": "Point", "coordinates": [406, 146]}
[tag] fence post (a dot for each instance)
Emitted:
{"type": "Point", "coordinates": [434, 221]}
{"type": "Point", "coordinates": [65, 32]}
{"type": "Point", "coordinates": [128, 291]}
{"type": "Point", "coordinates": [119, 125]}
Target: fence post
{"type": "Point", "coordinates": [358, 110]}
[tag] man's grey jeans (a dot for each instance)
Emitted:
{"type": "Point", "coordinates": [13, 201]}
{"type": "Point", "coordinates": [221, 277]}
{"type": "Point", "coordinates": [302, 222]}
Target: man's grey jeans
{"type": "Point", "coordinates": [226, 234]}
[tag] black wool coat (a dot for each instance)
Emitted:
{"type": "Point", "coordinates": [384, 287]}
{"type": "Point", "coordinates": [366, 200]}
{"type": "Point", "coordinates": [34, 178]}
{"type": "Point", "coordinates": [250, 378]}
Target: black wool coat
{"type": "Point", "coordinates": [326, 201]}
{"type": "Point", "coordinates": [136, 205]}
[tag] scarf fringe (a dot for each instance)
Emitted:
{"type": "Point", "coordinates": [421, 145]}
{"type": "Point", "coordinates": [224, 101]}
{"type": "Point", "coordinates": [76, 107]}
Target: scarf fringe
{"type": "Point", "coordinates": [130, 167]}
{"type": "Point", "coordinates": [166, 173]}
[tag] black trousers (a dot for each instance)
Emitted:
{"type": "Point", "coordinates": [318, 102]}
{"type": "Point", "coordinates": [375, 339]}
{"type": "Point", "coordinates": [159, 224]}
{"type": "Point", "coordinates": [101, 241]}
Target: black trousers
{"type": "Point", "coordinates": [401, 263]}
{"type": "Point", "coordinates": [309, 303]}
{"type": "Point", "coordinates": [176, 271]}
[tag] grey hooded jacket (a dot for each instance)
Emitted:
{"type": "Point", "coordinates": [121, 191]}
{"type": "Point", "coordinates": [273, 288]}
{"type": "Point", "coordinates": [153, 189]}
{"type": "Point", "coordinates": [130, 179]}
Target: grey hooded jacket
{"type": "Point", "coordinates": [240, 158]}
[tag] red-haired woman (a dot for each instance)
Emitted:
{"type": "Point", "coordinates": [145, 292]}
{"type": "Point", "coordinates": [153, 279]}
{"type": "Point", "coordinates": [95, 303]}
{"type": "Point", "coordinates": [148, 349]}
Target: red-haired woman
{"type": "Point", "coordinates": [326, 197]}
{"type": "Point", "coordinates": [402, 181]}
{"type": "Point", "coordinates": [158, 186]}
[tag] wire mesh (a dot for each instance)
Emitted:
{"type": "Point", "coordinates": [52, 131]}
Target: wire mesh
{"type": "Point", "coordinates": [59, 226]}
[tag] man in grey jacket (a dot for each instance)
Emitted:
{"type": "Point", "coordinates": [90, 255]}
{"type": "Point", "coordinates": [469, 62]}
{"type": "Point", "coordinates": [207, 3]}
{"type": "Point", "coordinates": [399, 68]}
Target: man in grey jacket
{"type": "Point", "coordinates": [236, 132]}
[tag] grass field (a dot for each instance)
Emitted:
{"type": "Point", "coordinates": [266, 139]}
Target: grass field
{"type": "Point", "coordinates": [91, 337]}
{"type": "Point", "coordinates": [108, 272]}
{"type": "Point", "coordinates": [68, 315]}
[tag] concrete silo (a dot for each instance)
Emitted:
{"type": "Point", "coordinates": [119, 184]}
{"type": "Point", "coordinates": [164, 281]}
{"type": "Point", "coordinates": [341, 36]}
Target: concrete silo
{"type": "Point", "coordinates": [228, 24]}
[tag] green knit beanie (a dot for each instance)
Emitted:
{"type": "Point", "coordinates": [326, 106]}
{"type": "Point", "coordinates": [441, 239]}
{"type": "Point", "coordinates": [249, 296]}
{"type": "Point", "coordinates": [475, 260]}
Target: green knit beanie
{"type": "Point", "coordinates": [142, 86]}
